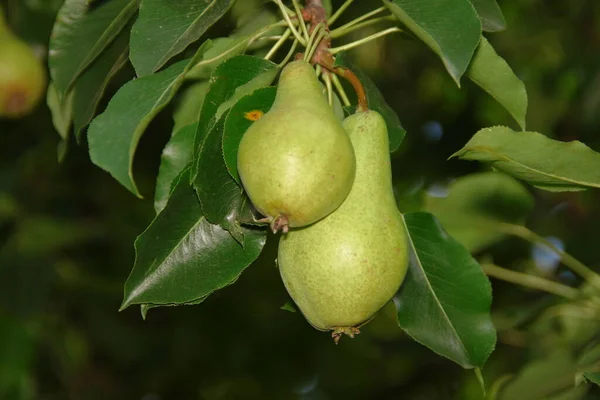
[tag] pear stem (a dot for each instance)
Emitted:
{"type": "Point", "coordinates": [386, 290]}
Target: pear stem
{"type": "Point", "coordinates": [339, 12]}
{"type": "Point", "coordinates": [290, 23]}
{"type": "Point", "coordinates": [278, 44]}
{"type": "Point", "coordinates": [320, 33]}
{"type": "Point", "coordinates": [289, 54]}
{"type": "Point", "coordinates": [327, 79]}
{"type": "Point", "coordinates": [340, 89]}
{"type": "Point", "coordinates": [286, 8]}
{"type": "Point", "coordinates": [339, 32]}
{"type": "Point", "coordinates": [365, 40]}
{"type": "Point", "coordinates": [351, 77]}
{"type": "Point", "coordinates": [361, 18]}
{"type": "Point", "coordinates": [301, 19]}
{"type": "Point", "coordinates": [530, 281]}
{"type": "Point", "coordinates": [575, 265]}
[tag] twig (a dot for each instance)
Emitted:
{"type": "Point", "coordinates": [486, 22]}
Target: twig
{"type": "Point", "coordinates": [530, 281]}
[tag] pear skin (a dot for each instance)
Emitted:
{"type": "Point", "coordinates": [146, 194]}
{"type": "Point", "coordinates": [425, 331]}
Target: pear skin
{"type": "Point", "coordinates": [343, 269]}
{"type": "Point", "coordinates": [296, 162]}
{"type": "Point", "coordinates": [22, 76]}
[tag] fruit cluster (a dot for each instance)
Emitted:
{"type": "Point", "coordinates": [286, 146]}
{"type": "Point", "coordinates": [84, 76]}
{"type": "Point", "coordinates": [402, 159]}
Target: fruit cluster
{"type": "Point", "coordinates": [327, 186]}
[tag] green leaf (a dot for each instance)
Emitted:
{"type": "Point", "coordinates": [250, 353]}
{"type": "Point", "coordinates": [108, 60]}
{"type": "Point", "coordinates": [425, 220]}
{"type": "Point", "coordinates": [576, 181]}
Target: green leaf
{"type": "Point", "coordinates": [444, 302]}
{"type": "Point", "coordinates": [165, 28]}
{"type": "Point", "coordinates": [494, 75]}
{"type": "Point", "coordinates": [92, 83]}
{"type": "Point", "coordinates": [593, 377]}
{"type": "Point", "coordinates": [589, 363]}
{"type": "Point", "coordinates": [490, 15]}
{"type": "Point", "coordinates": [114, 135]}
{"type": "Point", "coordinates": [80, 35]}
{"type": "Point", "coordinates": [176, 155]}
{"type": "Point", "coordinates": [545, 163]}
{"type": "Point", "coordinates": [189, 105]}
{"type": "Point", "coordinates": [376, 102]}
{"type": "Point", "coordinates": [240, 117]}
{"type": "Point", "coordinates": [477, 203]}
{"type": "Point", "coordinates": [221, 198]}
{"type": "Point", "coordinates": [542, 378]}
{"type": "Point", "coordinates": [61, 112]}
{"type": "Point", "coordinates": [225, 81]}
{"type": "Point", "coordinates": [451, 28]}
{"type": "Point", "coordinates": [182, 258]}
{"type": "Point", "coordinates": [221, 50]}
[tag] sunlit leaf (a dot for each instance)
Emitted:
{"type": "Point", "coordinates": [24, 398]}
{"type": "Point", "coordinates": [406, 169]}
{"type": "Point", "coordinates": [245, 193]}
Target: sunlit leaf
{"type": "Point", "coordinates": [451, 28]}
{"type": "Point", "coordinates": [92, 83]}
{"type": "Point", "coordinates": [444, 302]}
{"type": "Point", "coordinates": [182, 258]}
{"type": "Point", "coordinates": [545, 163]}
{"type": "Point", "coordinates": [80, 35]}
{"type": "Point", "coordinates": [495, 76]}
{"type": "Point", "coordinates": [490, 14]}
{"type": "Point", "coordinates": [165, 28]}
{"type": "Point", "coordinates": [114, 135]}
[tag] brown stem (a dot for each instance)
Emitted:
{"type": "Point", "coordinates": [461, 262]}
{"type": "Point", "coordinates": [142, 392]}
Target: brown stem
{"type": "Point", "coordinates": [363, 104]}
{"type": "Point", "coordinates": [314, 13]}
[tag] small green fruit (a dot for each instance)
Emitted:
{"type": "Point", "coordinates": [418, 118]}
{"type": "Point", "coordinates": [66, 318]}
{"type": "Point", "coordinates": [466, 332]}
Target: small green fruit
{"type": "Point", "coordinates": [22, 76]}
{"type": "Point", "coordinates": [341, 270]}
{"type": "Point", "coordinates": [296, 162]}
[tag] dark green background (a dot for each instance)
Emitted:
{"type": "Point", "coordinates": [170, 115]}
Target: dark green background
{"type": "Point", "coordinates": [67, 232]}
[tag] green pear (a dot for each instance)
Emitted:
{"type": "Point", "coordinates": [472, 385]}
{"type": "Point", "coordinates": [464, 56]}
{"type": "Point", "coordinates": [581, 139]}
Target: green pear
{"type": "Point", "coordinates": [343, 269]}
{"type": "Point", "coordinates": [297, 162]}
{"type": "Point", "coordinates": [22, 75]}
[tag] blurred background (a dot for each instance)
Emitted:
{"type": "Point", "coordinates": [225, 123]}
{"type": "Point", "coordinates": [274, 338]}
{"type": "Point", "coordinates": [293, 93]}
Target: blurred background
{"type": "Point", "coordinates": [67, 231]}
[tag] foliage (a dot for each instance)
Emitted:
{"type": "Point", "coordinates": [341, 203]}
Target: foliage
{"type": "Point", "coordinates": [126, 73]}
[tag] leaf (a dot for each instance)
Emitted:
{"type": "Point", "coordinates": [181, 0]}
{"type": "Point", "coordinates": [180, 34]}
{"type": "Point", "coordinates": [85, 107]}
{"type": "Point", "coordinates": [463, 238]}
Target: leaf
{"type": "Point", "coordinates": [451, 28]}
{"type": "Point", "coordinates": [444, 302]}
{"type": "Point", "coordinates": [165, 28]}
{"type": "Point", "coordinates": [176, 155]}
{"type": "Point", "coordinates": [376, 102]}
{"type": "Point", "coordinates": [61, 112]}
{"type": "Point", "coordinates": [221, 50]}
{"type": "Point", "coordinates": [80, 35]}
{"type": "Point", "coordinates": [494, 75]}
{"type": "Point", "coordinates": [239, 119]}
{"type": "Point", "coordinates": [224, 82]}
{"type": "Point", "coordinates": [477, 203]}
{"type": "Point", "coordinates": [545, 163]}
{"type": "Point", "coordinates": [490, 15]}
{"type": "Point", "coordinates": [593, 377]}
{"type": "Point", "coordinates": [542, 378]}
{"type": "Point", "coordinates": [92, 83]}
{"type": "Point", "coordinates": [589, 363]}
{"type": "Point", "coordinates": [182, 258]}
{"type": "Point", "coordinates": [221, 198]}
{"type": "Point", "coordinates": [144, 308]}
{"type": "Point", "coordinates": [114, 135]}
{"type": "Point", "coordinates": [189, 105]}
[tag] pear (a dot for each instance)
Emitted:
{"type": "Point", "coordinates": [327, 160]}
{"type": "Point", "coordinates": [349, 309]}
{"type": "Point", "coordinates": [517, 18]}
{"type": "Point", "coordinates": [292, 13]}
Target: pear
{"type": "Point", "coordinates": [343, 269]}
{"type": "Point", "coordinates": [296, 162]}
{"type": "Point", "coordinates": [22, 76]}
